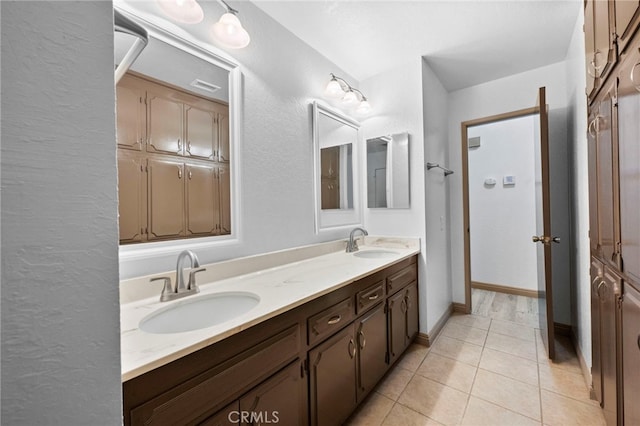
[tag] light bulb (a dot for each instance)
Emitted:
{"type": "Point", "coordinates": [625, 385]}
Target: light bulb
{"type": "Point", "coordinates": [364, 107]}
{"type": "Point", "coordinates": [334, 90]}
{"type": "Point", "coordinates": [228, 32]}
{"type": "Point", "coordinates": [184, 11]}
{"type": "Point", "coordinates": [350, 98]}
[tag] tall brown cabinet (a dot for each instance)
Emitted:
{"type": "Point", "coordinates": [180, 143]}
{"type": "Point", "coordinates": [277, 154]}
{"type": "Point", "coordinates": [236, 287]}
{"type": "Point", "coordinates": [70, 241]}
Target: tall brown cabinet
{"type": "Point", "coordinates": [173, 163]}
{"type": "Point", "coordinates": [612, 60]}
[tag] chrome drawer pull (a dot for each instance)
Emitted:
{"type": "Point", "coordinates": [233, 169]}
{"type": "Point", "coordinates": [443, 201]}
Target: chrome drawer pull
{"type": "Point", "coordinates": [373, 296]}
{"type": "Point", "coordinates": [334, 320]}
{"type": "Point", "coordinates": [352, 348]}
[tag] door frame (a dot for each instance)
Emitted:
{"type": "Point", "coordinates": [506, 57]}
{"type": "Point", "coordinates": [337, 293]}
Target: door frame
{"type": "Point", "coordinates": [465, 189]}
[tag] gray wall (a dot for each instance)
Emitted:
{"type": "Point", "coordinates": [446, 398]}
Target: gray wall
{"type": "Point", "coordinates": [60, 322]}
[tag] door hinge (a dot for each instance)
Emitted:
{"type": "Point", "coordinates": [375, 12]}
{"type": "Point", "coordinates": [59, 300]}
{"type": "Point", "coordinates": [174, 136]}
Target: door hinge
{"type": "Point", "coordinates": [620, 300]}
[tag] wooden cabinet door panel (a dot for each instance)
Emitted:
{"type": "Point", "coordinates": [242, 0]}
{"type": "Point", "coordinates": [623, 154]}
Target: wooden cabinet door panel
{"type": "Point", "coordinates": [166, 199]}
{"type": "Point", "coordinates": [223, 138]}
{"type": "Point", "coordinates": [412, 311]}
{"type": "Point", "coordinates": [608, 340]}
{"type": "Point", "coordinates": [603, 38]}
{"type": "Point", "coordinates": [629, 166]}
{"type": "Point", "coordinates": [396, 325]}
{"type": "Point", "coordinates": [132, 201]}
{"type": "Point", "coordinates": [631, 354]}
{"type": "Point", "coordinates": [203, 212]}
{"type": "Point", "coordinates": [625, 12]}
{"type": "Point", "coordinates": [131, 116]}
{"type": "Point", "coordinates": [589, 47]}
{"type": "Point", "coordinates": [202, 132]}
{"type": "Point", "coordinates": [592, 149]}
{"type": "Point", "coordinates": [224, 182]}
{"type": "Point", "coordinates": [281, 399]}
{"type": "Point", "coordinates": [596, 345]}
{"type": "Point", "coordinates": [164, 123]}
{"type": "Point", "coordinates": [228, 416]}
{"type": "Point", "coordinates": [333, 379]}
{"type": "Point", "coordinates": [372, 349]}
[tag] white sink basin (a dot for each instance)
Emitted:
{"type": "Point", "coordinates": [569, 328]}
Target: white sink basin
{"type": "Point", "coordinates": [198, 312]}
{"type": "Point", "coordinates": [375, 254]}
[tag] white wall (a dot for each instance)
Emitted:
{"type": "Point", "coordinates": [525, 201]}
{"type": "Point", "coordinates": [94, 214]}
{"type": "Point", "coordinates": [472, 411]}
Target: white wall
{"type": "Point", "coordinates": [60, 321]}
{"type": "Point", "coordinates": [577, 129]}
{"type": "Point", "coordinates": [496, 97]}
{"type": "Point", "coordinates": [503, 217]}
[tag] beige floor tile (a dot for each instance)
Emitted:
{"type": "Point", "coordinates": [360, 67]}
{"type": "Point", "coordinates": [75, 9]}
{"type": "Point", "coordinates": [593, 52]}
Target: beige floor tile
{"type": "Point", "coordinates": [475, 321]}
{"type": "Point", "coordinates": [507, 393]}
{"type": "Point", "coordinates": [563, 381]}
{"type": "Point", "coordinates": [565, 358]}
{"type": "Point", "coordinates": [394, 383]}
{"type": "Point", "coordinates": [404, 416]}
{"type": "Point", "coordinates": [509, 365]}
{"type": "Point", "coordinates": [447, 371]}
{"type": "Point", "coordinates": [562, 411]}
{"type": "Point", "coordinates": [465, 333]}
{"type": "Point", "coordinates": [458, 350]}
{"type": "Point", "coordinates": [372, 411]}
{"type": "Point", "coordinates": [413, 357]}
{"type": "Point", "coordinates": [512, 345]}
{"type": "Point", "coordinates": [483, 413]}
{"type": "Point", "coordinates": [513, 329]}
{"type": "Point", "coordinates": [441, 403]}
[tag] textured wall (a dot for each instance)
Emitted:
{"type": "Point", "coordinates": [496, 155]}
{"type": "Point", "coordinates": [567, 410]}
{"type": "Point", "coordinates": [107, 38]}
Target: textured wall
{"type": "Point", "coordinates": [60, 321]}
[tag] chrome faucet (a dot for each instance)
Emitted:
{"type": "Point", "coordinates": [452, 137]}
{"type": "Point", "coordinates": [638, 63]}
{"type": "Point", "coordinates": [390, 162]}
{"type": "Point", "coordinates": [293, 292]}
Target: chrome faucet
{"type": "Point", "coordinates": [352, 244]}
{"type": "Point", "coordinates": [181, 289]}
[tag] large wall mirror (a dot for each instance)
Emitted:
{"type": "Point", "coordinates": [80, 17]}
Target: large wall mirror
{"type": "Point", "coordinates": [388, 172]}
{"type": "Point", "coordinates": [335, 138]}
{"type": "Point", "coordinates": [177, 137]}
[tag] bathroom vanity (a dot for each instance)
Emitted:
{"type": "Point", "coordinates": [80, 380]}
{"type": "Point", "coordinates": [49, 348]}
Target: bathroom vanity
{"type": "Point", "coordinates": [325, 331]}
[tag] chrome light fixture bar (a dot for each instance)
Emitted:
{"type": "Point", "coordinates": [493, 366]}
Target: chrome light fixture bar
{"type": "Point", "coordinates": [338, 88]}
{"type": "Point", "coordinates": [430, 166]}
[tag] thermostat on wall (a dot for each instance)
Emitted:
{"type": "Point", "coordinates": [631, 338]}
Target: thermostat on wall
{"type": "Point", "coordinates": [489, 181]}
{"type": "Point", "coordinates": [509, 180]}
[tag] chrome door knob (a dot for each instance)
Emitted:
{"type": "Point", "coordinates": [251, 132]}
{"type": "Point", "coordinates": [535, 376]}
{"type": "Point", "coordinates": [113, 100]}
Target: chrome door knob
{"type": "Point", "coordinates": [537, 239]}
{"type": "Point", "coordinates": [556, 240]}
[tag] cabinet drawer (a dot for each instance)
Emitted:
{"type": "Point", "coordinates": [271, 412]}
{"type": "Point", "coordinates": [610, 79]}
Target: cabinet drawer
{"type": "Point", "coordinates": [198, 397]}
{"type": "Point", "coordinates": [401, 278]}
{"type": "Point", "coordinates": [369, 297]}
{"type": "Point", "coordinates": [330, 320]}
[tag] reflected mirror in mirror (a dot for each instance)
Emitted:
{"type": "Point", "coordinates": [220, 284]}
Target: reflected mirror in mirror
{"type": "Point", "coordinates": [335, 139]}
{"type": "Point", "coordinates": [388, 172]}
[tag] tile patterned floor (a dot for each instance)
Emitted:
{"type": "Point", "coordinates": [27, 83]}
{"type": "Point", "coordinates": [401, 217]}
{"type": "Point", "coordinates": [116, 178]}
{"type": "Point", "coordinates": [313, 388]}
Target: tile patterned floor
{"type": "Point", "coordinates": [483, 371]}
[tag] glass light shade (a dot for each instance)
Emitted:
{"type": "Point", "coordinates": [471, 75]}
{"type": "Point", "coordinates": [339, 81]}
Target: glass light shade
{"type": "Point", "coordinates": [228, 32]}
{"type": "Point", "coordinates": [364, 107]}
{"type": "Point", "coordinates": [184, 11]}
{"type": "Point", "coordinates": [350, 98]}
{"type": "Point", "coordinates": [334, 90]}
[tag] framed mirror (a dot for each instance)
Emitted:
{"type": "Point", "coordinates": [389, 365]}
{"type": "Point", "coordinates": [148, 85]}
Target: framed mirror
{"type": "Point", "coordinates": [388, 172]}
{"type": "Point", "coordinates": [335, 142]}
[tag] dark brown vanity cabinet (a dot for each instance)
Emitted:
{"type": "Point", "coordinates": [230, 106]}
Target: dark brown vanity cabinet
{"type": "Point", "coordinates": [311, 365]}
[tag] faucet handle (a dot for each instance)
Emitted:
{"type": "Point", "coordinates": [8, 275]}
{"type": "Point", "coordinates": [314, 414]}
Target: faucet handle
{"type": "Point", "coordinates": [166, 290]}
{"type": "Point", "coordinates": [191, 285]}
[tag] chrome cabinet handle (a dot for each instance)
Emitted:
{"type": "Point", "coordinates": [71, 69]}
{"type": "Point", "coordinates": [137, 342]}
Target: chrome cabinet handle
{"type": "Point", "coordinates": [179, 172]}
{"type": "Point", "coordinates": [636, 85]}
{"type": "Point", "coordinates": [189, 147]}
{"type": "Point", "coordinates": [596, 69]}
{"type": "Point", "coordinates": [638, 341]}
{"type": "Point", "coordinates": [373, 296]}
{"type": "Point", "coordinates": [403, 306]}
{"type": "Point", "coordinates": [352, 348]}
{"type": "Point", "coordinates": [190, 175]}
{"type": "Point", "coordinates": [334, 320]}
{"type": "Point", "coordinates": [179, 145]}
{"type": "Point", "coordinates": [361, 340]}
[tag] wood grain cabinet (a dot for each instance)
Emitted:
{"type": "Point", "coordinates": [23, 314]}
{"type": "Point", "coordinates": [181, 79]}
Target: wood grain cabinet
{"type": "Point", "coordinates": [132, 192]}
{"type": "Point", "coordinates": [600, 47]}
{"type": "Point", "coordinates": [203, 200]}
{"type": "Point", "coordinates": [165, 121]}
{"type": "Point", "coordinates": [371, 339]}
{"type": "Point", "coordinates": [166, 199]}
{"type": "Point", "coordinates": [131, 114]}
{"type": "Point", "coordinates": [626, 14]}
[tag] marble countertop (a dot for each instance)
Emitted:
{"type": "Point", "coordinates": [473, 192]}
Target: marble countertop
{"type": "Point", "coordinates": [280, 286]}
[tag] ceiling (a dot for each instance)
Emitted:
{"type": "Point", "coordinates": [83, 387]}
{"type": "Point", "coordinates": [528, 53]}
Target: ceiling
{"type": "Point", "coordinates": [465, 42]}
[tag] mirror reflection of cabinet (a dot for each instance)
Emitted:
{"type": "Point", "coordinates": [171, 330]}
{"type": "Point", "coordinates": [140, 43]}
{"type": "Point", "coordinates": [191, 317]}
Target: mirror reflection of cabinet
{"type": "Point", "coordinates": [388, 171]}
{"type": "Point", "coordinates": [336, 168]}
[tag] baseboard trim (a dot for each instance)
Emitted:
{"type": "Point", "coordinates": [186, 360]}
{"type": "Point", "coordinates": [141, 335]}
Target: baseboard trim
{"type": "Point", "coordinates": [586, 372]}
{"type": "Point", "coordinates": [504, 289]}
{"type": "Point", "coordinates": [563, 330]}
{"type": "Point", "coordinates": [428, 339]}
{"type": "Point", "coordinates": [460, 308]}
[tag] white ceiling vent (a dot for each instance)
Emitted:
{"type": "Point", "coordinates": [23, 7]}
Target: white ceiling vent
{"type": "Point", "coordinates": [203, 85]}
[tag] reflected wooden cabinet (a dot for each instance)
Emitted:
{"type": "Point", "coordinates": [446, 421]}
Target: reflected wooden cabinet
{"type": "Point", "coordinates": [597, 272]}
{"type": "Point", "coordinates": [223, 153]}
{"type": "Point", "coordinates": [132, 193]}
{"type": "Point", "coordinates": [203, 200]}
{"type": "Point", "coordinates": [130, 114]}
{"type": "Point", "coordinates": [224, 179]}
{"type": "Point", "coordinates": [600, 47]}
{"type": "Point", "coordinates": [166, 199]}
{"type": "Point", "coordinates": [202, 132]}
{"type": "Point", "coordinates": [626, 14]}
{"type": "Point", "coordinates": [164, 118]}
{"type": "Point", "coordinates": [631, 354]}
{"type": "Point", "coordinates": [609, 291]}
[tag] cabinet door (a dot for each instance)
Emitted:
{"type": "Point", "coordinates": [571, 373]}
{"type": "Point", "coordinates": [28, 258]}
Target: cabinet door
{"type": "Point", "coordinates": [224, 154]}
{"type": "Point", "coordinates": [202, 132]}
{"type": "Point", "coordinates": [396, 325]}
{"type": "Point", "coordinates": [132, 202]}
{"type": "Point", "coordinates": [203, 198]}
{"type": "Point", "coordinates": [164, 122]}
{"type": "Point", "coordinates": [607, 194]}
{"type": "Point", "coordinates": [224, 182]}
{"type": "Point", "coordinates": [629, 165]}
{"type": "Point", "coordinates": [605, 54]}
{"type": "Point", "coordinates": [609, 293]}
{"type": "Point", "coordinates": [596, 345]}
{"type": "Point", "coordinates": [631, 354]}
{"type": "Point", "coordinates": [411, 305]}
{"type": "Point", "coordinates": [280, 399]}
{"type": "Point", "coordinates": [131, 113]}
{"type": "Point", "coordinates": [589, 47]}
{"type": "Point", "coordinates": [228, 416]}
{"type": "Point", "coordinates": [166, 199]}
{"type": "Point", "coordinates": [372, 349]}
{"type": "Point", "coordinates": [592, 148]}
{"type": "Point", "coordinates": [333, 379]}
{"type": "Point", "coordinates": [625, 12]}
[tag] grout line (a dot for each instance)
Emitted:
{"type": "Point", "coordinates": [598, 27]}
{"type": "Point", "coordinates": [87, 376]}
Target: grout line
{"type": "Point", "coordinates": [473, 382]}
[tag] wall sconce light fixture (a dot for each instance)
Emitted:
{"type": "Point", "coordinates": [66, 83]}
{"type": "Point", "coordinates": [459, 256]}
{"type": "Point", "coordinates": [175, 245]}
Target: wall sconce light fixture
{"type": "Point", "coordinates": [228, 31]}
{"type": "Point", "coordinates": [351, 97]}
